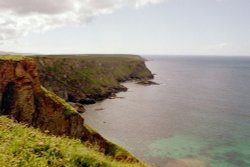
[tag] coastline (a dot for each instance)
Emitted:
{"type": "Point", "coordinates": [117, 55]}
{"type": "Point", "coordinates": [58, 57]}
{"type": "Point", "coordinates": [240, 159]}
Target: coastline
{"type": "Point", "coordinates": [183, 118]}
{"type": "Point", "coordinates": [88, 79]}
{"type": "Point", "coordinates": [107, 125]}
{"type": "Point", "coordinates": [93, 109]}
{"type": "Point", "coordinates": [38, 107]}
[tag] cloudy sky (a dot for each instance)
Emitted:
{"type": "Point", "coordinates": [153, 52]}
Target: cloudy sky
{"type": "Point", "coordinates": [204, 27]}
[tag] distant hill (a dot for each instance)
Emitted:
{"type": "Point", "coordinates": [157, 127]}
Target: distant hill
{"type": "Point", "coordinates": [2, 52]}
{"type": "Point", "coordinates": [14, 53]}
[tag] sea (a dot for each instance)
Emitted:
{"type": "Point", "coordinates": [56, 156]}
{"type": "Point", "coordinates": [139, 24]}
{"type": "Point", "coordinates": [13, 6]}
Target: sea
{"type": "Point", "coordinates": [198, 115]}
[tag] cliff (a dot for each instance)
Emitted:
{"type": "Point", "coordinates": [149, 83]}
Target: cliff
{"type": "Point", "coordinates": [23, 99]}
{"type": "Point", "coordinates": [89, 78]}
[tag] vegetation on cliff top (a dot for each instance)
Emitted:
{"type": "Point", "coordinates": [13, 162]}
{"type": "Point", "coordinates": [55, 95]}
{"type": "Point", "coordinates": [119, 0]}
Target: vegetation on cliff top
{"type": "Point", "coordinates": [68, 109]}
{"type": "Point", "coordinates": [26, 146]}
{"type": "Point", "coordinates": [13, 57]}
{"type": "Point", "coordinates": [76, 78]}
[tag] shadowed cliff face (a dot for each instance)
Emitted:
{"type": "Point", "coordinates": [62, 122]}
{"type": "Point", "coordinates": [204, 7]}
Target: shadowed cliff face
{"type": "Point", "coordinates": [19, 85]}
{"type": "Point", "coordinates": [23, 99]}
{"type": "Point", "coordinates": [86, 79]}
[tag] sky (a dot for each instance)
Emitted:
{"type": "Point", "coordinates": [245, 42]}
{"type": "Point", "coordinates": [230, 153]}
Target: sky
{"type": "Point", "coordinates": [151, 27]}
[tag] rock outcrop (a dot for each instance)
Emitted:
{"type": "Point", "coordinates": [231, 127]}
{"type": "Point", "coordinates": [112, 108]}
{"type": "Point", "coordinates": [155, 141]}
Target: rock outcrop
{"type": "Point", "coordinates": [147, 82]}
{"type": "Point", "coordinates": [25, 100]}
{"type": "Point", "coordinates": [86, 79]}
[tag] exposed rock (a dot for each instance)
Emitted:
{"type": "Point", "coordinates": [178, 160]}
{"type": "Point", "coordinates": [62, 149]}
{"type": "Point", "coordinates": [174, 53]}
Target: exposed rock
{"type": "Point", "coordinates": [147, 82]}
{"type": "Point", "coordinates": [87, 101]}
{"type": "Point", "coordinates": [23, 99]}
{"type": "Point", "coordinates": [78, 107]}
{"type": "Point", "coordinates": [99, 109]}
{"type": "Point", "coordinates": [119, 97]}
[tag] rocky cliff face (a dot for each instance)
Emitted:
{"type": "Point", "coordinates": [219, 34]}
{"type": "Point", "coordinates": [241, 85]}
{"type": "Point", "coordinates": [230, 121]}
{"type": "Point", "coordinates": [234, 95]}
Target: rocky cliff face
{"type": "Point", "coordinates": [85, 79]}
{"type": "Point", "coordinates": [23, 99]}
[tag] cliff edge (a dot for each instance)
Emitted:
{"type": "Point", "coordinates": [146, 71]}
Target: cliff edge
{"type": "Point", "coordinates": [24, 99]}
{"type": "Point", "coordinates": [88, 78]}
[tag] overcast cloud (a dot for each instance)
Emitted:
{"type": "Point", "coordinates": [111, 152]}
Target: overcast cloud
{"type": "Point", "coordinates": [19, 17]}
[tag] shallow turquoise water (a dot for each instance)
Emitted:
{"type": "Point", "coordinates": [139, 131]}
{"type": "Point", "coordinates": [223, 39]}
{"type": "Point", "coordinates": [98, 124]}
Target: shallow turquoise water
{"type": "Point", "coordinates": [214, 154]}
{"type": "Point", "coordinates": [200, 110]}
{"type": "Point", "coordinates": [176, 147]}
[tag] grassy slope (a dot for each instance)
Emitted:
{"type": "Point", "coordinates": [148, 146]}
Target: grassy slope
{"type": "Point", "coordinates": [89, 74]}
{"type": "Point", "coordinates": [114, 150]}
{"type": "Point", "coordinates": [26, 146]}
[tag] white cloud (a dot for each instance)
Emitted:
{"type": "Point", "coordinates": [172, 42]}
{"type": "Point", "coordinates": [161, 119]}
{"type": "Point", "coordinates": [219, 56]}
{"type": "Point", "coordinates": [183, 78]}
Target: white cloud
{"type": "Point", "coordinates": [145, 2]}
{"type": "Point", "coordinates": [221, 45]}
{"type": "Point", "coordinates": [36, 6]}
{"type": "Point", "coordinates": [19, 17]}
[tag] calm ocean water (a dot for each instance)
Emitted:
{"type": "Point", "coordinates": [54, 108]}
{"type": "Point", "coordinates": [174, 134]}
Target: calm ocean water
{"type": "Point", "coordinates": [200, 112]}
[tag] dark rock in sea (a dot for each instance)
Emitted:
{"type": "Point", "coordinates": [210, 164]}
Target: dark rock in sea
{"type": "Point", "coordinates": [99, 109]}
{"type": "Point", "coordinates": [147, 82]}
{"type": "Point", "coordinates": [87, 101]}
{"type": "Point", "coordinates": [119, 97]}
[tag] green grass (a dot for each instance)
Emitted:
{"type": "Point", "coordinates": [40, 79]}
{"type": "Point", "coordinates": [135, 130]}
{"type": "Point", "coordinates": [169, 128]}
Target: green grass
{"type": "Point", "coordinates": [13, 57]}
{"type": "Point", "coordinates": [89, 74]}
{"type": "Point", "coordinates": [25, 146]}
{"type": "Point", "coordinates": [113, 149]}
{"type": "Point", "coordinates": [68, 109]}
{"type": "Point", "coordinates": [109, 57]}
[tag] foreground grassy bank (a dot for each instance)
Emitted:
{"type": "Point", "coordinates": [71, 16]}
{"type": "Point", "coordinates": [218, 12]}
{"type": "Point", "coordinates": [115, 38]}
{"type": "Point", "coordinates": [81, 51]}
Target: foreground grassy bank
{"type": "Point", "coordinates": [26, 146]}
